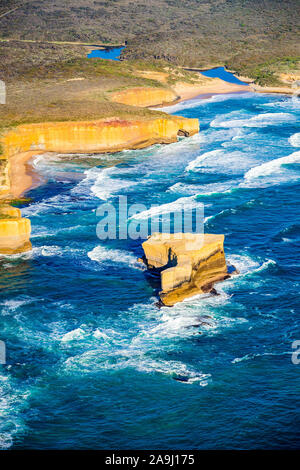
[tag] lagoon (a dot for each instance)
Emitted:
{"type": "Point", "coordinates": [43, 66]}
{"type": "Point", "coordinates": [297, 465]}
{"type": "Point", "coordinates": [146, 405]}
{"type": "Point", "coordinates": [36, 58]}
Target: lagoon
{"type": "Point", "coordinates": [223, 74]}
{"type": "Point", "coordinates": [112, 53]}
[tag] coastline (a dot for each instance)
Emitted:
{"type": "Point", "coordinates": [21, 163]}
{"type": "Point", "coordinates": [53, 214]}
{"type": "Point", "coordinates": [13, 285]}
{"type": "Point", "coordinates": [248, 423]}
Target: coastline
{"type": "Point", "coordinates": [187, 91]}
{"type": "Point", "coordinates": [23, 177]}
{"type": "Point", "coordinates": [102, 136]}
{"type": "Point", "coordinates": [275, 90]}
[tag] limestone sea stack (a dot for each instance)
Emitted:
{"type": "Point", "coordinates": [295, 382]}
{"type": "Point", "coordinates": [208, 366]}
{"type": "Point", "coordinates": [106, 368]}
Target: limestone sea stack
{"type": "Point", "coordinates": [188, 264]}
{"type": "Point", "coordinates": [14, 231]}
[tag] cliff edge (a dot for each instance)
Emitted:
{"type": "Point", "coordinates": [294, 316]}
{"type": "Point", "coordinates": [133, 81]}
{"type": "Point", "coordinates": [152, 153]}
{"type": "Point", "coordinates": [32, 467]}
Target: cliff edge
{"type": "Point", "coordinates": [14, 231]}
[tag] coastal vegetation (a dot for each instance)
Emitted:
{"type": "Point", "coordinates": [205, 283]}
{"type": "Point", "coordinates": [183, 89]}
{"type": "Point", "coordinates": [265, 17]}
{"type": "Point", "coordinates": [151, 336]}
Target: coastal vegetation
{"type": "Point", "coordinates": [73, 106]}
{"type": "Point", "coordinates": [48, 78]}
{"type": "Point", "coordinates": [256, 38]}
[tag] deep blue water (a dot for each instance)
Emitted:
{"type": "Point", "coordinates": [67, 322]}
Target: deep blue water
{"type": "Point", "coordinates": [221, 72]}
{"type": "Point", "coordinates": [91, 360]}
{"type": "Point", "coordinates": [110, 53]}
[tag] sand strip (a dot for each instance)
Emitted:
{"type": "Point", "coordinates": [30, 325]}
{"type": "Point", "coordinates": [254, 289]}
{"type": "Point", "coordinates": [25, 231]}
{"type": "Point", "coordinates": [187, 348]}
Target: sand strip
{"type": "Point", "coordinates": [22, 175]}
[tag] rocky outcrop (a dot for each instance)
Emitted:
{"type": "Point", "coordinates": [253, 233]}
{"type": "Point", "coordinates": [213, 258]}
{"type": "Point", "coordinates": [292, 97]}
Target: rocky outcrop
{"type": "Point", "coordinates": [144, 97]}
{"type": "Point", "coordinates": [188, 264]}
{"type": "Point", "coordinates": [14, 231]}
{"type": "Point", "coordinates": [105, 135]}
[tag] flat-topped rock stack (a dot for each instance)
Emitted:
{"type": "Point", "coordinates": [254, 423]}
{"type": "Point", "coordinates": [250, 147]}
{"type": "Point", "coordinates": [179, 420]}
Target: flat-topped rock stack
{"type": "Point", "coordinates": [188, 264]}
{"type": "Point", "coordinates": [14, 231]}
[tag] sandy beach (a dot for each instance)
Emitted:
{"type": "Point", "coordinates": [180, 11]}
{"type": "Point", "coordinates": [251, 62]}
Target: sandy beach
{"type": "Point", "coordinates": [187, 91]}
{"type": "Point", "coordinates": [23, 177]}
{"type": "Point", "coordinates": [280, 90]}
{"type": "Point", "coordinates": [22, 174]}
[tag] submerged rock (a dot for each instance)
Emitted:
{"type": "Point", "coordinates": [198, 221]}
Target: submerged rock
{"type": "Point", "coordinates": [188, 264]}
{"type": "Point", "coordinates": [181, 378]}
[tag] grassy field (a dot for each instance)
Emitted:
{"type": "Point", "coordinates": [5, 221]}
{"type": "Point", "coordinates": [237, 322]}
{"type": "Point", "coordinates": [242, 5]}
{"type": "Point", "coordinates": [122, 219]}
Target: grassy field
{"type": "Point", "coordinates": [253, 37]}
{"type": "Point", "coordinates": [79, 89]}
{"type": "Point", "coordinates": [50, 80]}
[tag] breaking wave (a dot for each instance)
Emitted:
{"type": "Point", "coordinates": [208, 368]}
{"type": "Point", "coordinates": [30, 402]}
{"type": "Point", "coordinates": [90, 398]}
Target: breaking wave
{"type": "Point", "coordinates": [106, 256]}
{"type": "Point", "coordinates": [294, 140]}
{"type": "Point", "coordinates": [181, 204]}
{"type": "Point", "coordinates": [102, 183]}
{"type": "Point", "coordinates": [259, 120]}
{"type": "Point", "coordinates": [221, 161]}
{"type": "Point", "coordinates": [273, 168]}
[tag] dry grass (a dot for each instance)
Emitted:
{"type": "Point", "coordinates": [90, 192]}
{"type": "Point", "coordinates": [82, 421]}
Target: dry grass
{"type": "Point", "coordinates": [246, 35]}
{"type": "Point", "coordinates": [78, 89]}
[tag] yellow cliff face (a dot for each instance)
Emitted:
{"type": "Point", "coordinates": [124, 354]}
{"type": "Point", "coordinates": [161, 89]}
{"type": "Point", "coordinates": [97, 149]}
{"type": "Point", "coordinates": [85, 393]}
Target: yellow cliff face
{"type": "Point", "coordinates": [189, 264]}
{"type": "Point", "coordinates": [144, 97]}
{"type": "Point", "coordinates": [105, 135]}
{"type": "Point", "coordinates": [111, 135]}
{"type": "Point", "coordinates": [14, 231]}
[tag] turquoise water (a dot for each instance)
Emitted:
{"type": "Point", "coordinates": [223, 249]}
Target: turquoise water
{"type": "Point", "coordinates": [221, 72]}
{"type": "Point", "coordinates": [109, 53]}
{"type": "Point", "coordinates": [91, 361]}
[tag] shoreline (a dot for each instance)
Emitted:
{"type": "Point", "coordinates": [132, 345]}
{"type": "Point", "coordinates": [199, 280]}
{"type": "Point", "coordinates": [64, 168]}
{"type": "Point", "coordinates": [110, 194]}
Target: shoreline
{"type": "Point", "coordinates": [24, 178]}
{"type": "Point", "coordinates": [189, 92]}
{"type": "Point", "coordinates": [22, 175]}
{"type": "Point", "coordinates": [67, 137]}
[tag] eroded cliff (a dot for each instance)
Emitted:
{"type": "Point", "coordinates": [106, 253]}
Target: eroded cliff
{"type": "Point", "coordinates": [99, 136]}
{"type": "Point", "coordinates": [188, 264]}
{"type": "Point", "coordinates": [104, 135]}
{"type": "Point", "coordinates": [14, 231]}
{"type": "Point", "coordinates": [144, 97]}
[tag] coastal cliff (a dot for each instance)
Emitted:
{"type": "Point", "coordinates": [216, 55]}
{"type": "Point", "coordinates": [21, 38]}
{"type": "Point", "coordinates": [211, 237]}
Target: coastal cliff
{"type": "Point", "coordinates": [188, 264]}
{"type": "Point", "coordinates": [14, 231]}
{"type": "Point", "coordinates": [105, 135]}
{"type": "Point", "coordinates": [144, 97]}
{"type": "Point", "coordinates": [99, 136]}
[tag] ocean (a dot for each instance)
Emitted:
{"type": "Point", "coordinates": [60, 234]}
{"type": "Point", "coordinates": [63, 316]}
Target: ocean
{"type": "Point", "coordinates": [92, 362]}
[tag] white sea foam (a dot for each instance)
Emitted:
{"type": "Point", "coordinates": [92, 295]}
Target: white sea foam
{"type": "Point", "coordinates": [193, 103]}
{"type": "Point", "coordinates": [58, 203]}
{"type": "Point", "coordinates": [74, 335]}
{"type": "Point", "coordinates": [272, 167]}
{"type": "Point", "coordinates": [288, 103]}
{"type": "Point", "coordinates": [260, 120]}
{"type": "Point", "coordinates": [197, 162]}
{"type": "Point", "coordinates": [247, 265]}
{"type": "Point", "coordinates": [213, 135]}
{"type": "Point", "coordinates": [9, 307]}
{"type": "Point", "coordinates": [204, 189]}
{"type": "Point", "coordinates": [294, 140]}
{"type": "Point", "coordinates": [12, 402]}
{"type": "Point", "coordinates": [106, 255]}
{"type": "Point", "coordinates": [99, 334]}
{"type": "Point", "coordinates": [243, 263]}
{"type": "Point", "coordinates": [38, 231]}
{"type": "Point", "coordinates": [137, 360]}
{"type": "Point", "coordinates": [251, 356]}
{"type": "Point", "coordinates": [102, 183]}
{"type": "Point", "coordinates": [221, 161]}
{"type": "Point", "coordinates": [44, 251]}
{"type": "Point", "coordinates": [181, 204]}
